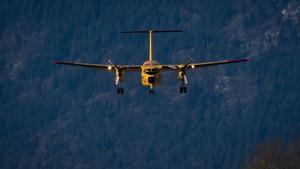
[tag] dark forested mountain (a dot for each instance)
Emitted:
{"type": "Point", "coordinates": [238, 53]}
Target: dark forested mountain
{"type": "Point", "coordinates": [275, 155]}
{"type": "Point", "coordinates": [64, 117]}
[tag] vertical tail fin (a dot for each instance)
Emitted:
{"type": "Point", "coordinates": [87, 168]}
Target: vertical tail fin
{"type": "Point", "coordinates": [150, 45]}
{"type": "Point", "coordinates": [150, 37]}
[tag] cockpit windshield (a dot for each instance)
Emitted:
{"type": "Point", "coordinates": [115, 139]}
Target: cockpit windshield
{"type": "Point", "coordinates": [151, 71]}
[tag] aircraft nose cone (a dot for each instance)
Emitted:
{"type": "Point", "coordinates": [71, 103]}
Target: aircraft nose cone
{"type": "Point", "coordinates": [151, 79]}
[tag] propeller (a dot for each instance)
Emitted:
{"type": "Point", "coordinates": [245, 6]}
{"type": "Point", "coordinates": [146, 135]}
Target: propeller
{"type": "Point", "coordinates": [183, 68]}
{"type": "Point", "coordinates": [119, 72]}
{"type": "Point", "coordinates": [116, 66]}
{"type": "Point", "coordinates": [185, 65]}
{"type": "Point", "coordinates": [182, 72]}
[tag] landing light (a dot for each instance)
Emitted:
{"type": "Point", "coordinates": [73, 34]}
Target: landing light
{"type": "Point", "coordinates": [193, 66]}
{"type": "Point", "coordinates": [109, 67]}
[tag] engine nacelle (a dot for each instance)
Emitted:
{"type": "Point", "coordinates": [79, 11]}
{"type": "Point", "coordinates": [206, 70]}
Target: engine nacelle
{"type": "Point", "coordinates": [119, 76]}
{"type": "Point", "coordinates": [182, 76]}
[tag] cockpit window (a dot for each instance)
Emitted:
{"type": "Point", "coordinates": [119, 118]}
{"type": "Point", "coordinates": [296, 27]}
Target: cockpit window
{"type": "Point", "coordinates": [151, 71]}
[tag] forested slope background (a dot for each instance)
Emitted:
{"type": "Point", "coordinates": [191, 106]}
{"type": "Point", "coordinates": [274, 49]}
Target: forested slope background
{"type": "Point", "coordinates": [57, 117]}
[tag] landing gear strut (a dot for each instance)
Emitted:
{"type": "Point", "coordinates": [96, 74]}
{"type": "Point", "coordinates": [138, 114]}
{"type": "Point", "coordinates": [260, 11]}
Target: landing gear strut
{"type": "Point", "coordinates": [120, 90]}
{"type": "Point", "coordinates": [119, 78]}
{"type": "Point", "coordinates": [151, 90]}
{"type": "Point", "coordinates": [183, 79]}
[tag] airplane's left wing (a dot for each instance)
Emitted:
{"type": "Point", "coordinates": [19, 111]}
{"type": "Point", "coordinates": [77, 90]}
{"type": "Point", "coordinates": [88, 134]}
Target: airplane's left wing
{"type": "Point", "coordinates": [203, 64]}
{"type": "Point", "coordinates": [101, 66]}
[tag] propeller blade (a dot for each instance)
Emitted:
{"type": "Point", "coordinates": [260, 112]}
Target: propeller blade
{"type": "Point", "coordinates": [186, 65]}
{"type": "Point", "coordinates": [116, 66]}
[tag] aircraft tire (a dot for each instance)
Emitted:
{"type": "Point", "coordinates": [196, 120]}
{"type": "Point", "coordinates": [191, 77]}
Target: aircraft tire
{"type": "Point", "coordinates": [151, 91]}
{"type": "Point", "coordinates": [120, 90]}
{"type": "Point", "coordinates": [184, 89]}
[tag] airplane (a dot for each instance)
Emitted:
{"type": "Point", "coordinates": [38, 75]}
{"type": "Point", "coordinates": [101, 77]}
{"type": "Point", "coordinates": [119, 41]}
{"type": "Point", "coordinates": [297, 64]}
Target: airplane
{"type": "Point", "coordinates": [151, 69]}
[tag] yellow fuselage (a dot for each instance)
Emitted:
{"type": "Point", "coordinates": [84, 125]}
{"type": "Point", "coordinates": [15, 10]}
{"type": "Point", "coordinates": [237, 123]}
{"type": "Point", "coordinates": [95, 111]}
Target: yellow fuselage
{"type": "Point", "coordinates": [150, 73]}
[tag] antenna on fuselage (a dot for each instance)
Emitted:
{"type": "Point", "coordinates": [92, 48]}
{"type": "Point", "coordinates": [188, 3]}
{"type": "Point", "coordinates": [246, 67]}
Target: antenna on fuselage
{"type": "Point", "coordinates": [150, 37]}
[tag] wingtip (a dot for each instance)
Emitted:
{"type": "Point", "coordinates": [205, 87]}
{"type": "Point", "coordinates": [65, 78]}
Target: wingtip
{"type": "Point", "coordinates": [58, 62]}
{"type": "Point", "coordinates": [250, 59]}
{"type": "Point", "coordinates": [242, 60]}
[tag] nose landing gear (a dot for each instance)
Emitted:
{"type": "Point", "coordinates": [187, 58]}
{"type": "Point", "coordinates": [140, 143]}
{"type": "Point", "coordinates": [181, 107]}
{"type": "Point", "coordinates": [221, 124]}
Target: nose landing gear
{"type": "Point", "coordinates": [151, 90]}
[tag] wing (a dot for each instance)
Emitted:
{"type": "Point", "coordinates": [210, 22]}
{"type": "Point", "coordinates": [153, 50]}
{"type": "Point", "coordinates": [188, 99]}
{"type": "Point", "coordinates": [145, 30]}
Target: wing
{"type": "Point", "coordinates": [102, 66]}
{"type": "Point", "coordinates": [197, 65]}
{"type": "Point", "coordinates": [203, 64]}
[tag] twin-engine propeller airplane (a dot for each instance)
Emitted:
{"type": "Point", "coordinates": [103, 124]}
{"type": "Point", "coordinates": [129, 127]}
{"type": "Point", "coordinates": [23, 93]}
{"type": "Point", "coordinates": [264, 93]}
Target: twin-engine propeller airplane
{"type": "Point", "coordinates": [151, 69]}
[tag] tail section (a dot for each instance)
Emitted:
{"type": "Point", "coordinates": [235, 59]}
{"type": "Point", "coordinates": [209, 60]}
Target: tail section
{"type": "Point", "coordinates": [150, 37]}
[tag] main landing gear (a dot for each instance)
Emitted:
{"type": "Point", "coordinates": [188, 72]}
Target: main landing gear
{"type": "Point", "coordinates": [182, 89]}
{"type": "Point", "coordinates": [183, 80]}
{"type": "Point", "coordinates": [120, 90]}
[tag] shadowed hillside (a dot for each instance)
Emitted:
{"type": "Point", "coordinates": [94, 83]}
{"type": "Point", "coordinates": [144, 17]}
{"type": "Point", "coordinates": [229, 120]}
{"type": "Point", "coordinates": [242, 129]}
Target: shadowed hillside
{"type": "Point", "coordinates": [68, 117]}
{"type": "Point", "coordinates": [276, 155]}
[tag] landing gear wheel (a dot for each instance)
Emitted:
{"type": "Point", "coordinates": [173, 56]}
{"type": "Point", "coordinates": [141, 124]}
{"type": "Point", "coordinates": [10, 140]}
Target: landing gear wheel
{"type": "Point", "coordinates": [120, 90]}
{"type": "Point", "coordinates": [151, 91]}
{"type": "Point", "coordinates": [182, 89]}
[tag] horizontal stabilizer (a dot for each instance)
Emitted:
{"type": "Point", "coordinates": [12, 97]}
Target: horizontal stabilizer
{"type": "Point", "coordinates": [153, 31]}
